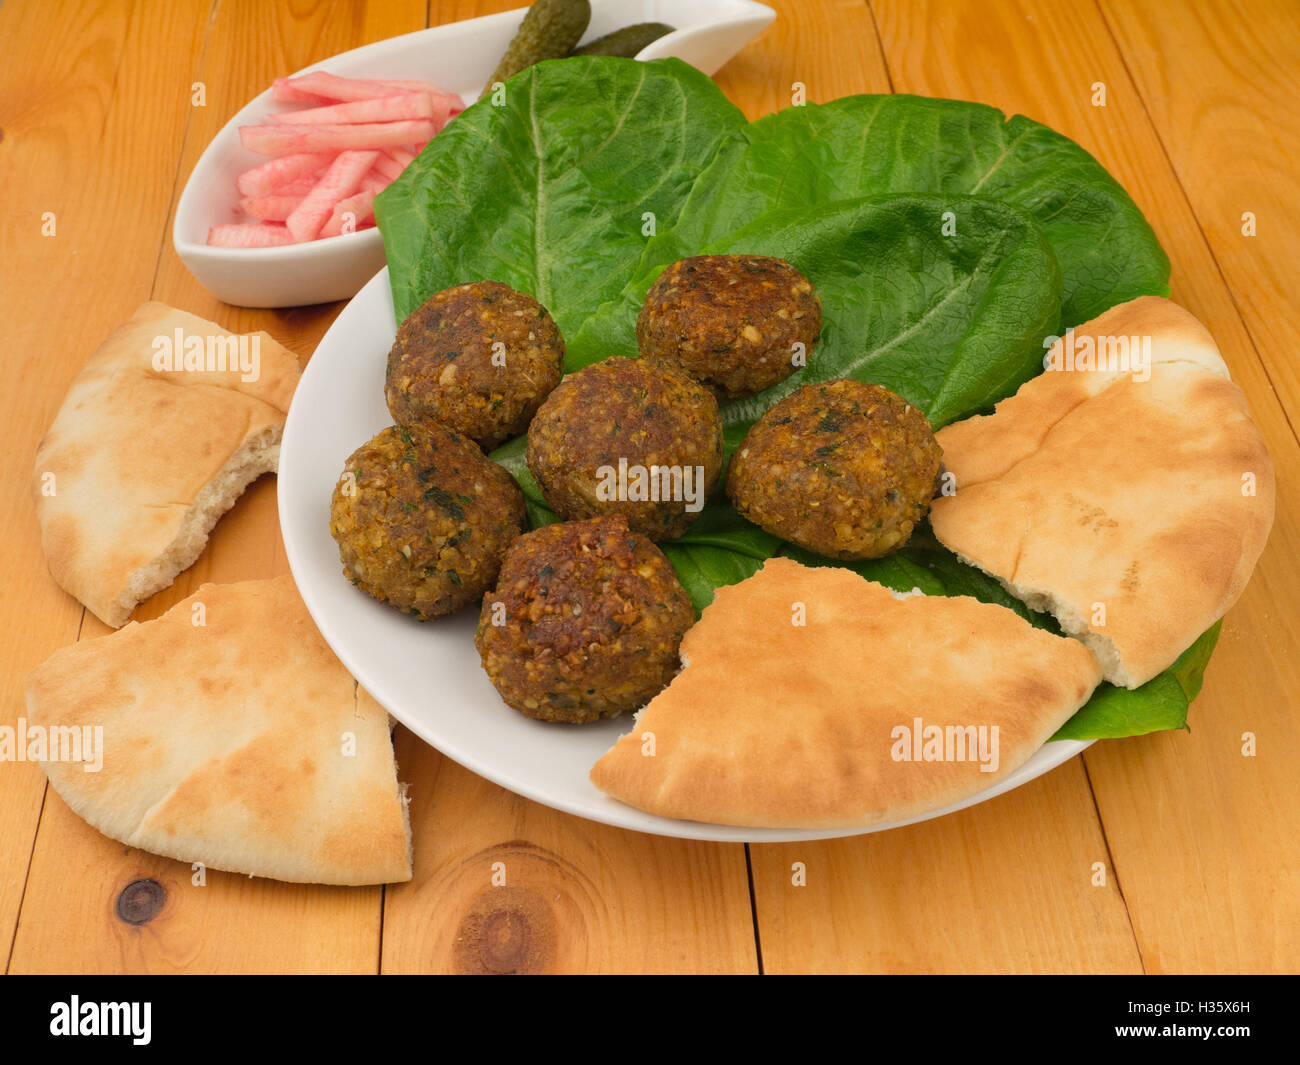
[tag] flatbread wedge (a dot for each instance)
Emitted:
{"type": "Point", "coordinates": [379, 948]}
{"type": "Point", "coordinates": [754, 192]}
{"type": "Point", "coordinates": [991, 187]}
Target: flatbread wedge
{"type": "Point", "coordinates": [145, 455]}
{"type": "Point", "coordinates": [232, 736]}
{"type": "Point", "coordinates": [809, 699]}
{"type": "Point", "coordinates": [1132, 505]}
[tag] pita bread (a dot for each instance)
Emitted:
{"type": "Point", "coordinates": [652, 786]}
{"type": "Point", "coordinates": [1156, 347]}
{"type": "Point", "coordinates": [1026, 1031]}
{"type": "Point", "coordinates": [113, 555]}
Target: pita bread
{"type": "Point", "coordinates": [1119, 505]}
{"type": "Point", "coordinates": [224, 743]}
{"type": "Point", "coordinates": [773, 724]}
{"type": "Point", "coordinates": [144, 461]}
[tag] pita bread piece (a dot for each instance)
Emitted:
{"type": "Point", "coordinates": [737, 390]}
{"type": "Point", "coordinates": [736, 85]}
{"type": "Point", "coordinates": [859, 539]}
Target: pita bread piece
{"type": "Point", "coordinates": [227, 743]}
{"type": "Point", "coordinates": [815, 725]}
{"type": "Point", "coordinates": [1133, 510]}
{"type": "Point", "coordinates": [141, 462]}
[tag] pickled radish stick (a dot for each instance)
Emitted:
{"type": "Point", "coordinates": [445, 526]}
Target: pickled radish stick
{"type": "Point", "coordinates": [353, 212]}
{"type": "Point", "coordinates": [263, 180]}
{"type": "Point", "coordinates": [330, 160]}
{"type": "Point", "coordinates": [374, 183]}
{"type": "Point", "coordinates": [289, 140]}
{"type": "Point", "coordinates": [388, 167]}
{"type": "Point", "coordinates": [341, 180]}
{"type": "Point", "coordinates": [332, 87]}
{"type": "Point", "coordinates": [402, 156]}
{"type": "Point", "coordinates": [243, 235]}
{"type": "Point", "coordinates": [270, 208]}
{"type": "Point", "coordinates": [381, 109]}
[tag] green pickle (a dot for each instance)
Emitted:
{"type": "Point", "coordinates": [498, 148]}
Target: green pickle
{"type": "Point", "coordinates": [549, 30]}
{"type": "Point", "coordinates": [626, 42]}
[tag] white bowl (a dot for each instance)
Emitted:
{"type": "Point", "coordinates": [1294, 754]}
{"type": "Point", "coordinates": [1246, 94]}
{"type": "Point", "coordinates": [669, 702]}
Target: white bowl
{"type": "Point", "coordinates": [458, 57]}
{"type": "Point", "coordinates": [428, 675]}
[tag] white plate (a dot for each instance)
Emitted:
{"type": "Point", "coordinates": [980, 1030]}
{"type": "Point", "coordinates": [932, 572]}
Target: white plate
{"type": "Point", "coordinates": [458, 57]}
{"type": "Point", "coordinates": [428, 674]}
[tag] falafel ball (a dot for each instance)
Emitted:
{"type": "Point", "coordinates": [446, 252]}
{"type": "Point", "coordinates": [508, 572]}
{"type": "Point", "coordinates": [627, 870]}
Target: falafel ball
{"type": "Point", "coordinates": [730, 321]}
{"type": "Point", "coordinates": [630, 437]}
{"type": "Point", "coordinates": [423, 519]}
{"type": "Point", "coordinates": [477, 358]}
{"type": "Point", "coordinates": [584, 623]}
{"type": "Point", "coordinates": [842, 468]}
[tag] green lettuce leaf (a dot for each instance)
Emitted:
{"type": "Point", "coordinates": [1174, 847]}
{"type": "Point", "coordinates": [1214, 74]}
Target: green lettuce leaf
{"type": "Point", "coordinates": [549, 192]}
{"type": "Point", "coordinates": [1161, 703]}
{"type": "Point", "coordinates": [862, 146]}
{"type": "Point", "coordinates": [926, 564]}
{"type": "Point", "coordinates": [965, 316]}
{"type": "Point", "coordinates": [945, 240]}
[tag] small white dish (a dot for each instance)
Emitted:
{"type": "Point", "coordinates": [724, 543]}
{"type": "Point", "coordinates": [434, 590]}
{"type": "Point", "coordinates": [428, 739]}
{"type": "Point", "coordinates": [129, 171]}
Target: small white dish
{"type": "Point", "coordinates": [428, 675]}
{"type": "Point", "coordinates": [458, 57]}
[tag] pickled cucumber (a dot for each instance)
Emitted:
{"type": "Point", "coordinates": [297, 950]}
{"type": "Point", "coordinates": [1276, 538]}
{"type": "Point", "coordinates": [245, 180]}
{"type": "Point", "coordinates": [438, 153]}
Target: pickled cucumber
{"type": "Point", "coordinates": [549, 30]}
{"type": "Point", "coordinates": [625, 42]}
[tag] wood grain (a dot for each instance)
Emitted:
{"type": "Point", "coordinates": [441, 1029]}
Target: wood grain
{"type": "Point", "coordinates": [503, 885]}
{"type": "Point", "coordinates": [1199, 834]}
{"type": "Point", "coordinates": [579, 897]}
{"type": "Point", "coordinates": [1011, 885]}
{"type": "Point", "coordinates": [235, 924]}
{"type": "Point", "coordinates": [1235, 149]}
{"type": "Point", "coordinates": [1196, 840]}
{"type": "Point", "coordinates": [79, 110]}
{"type": "Point", "coordinates": [820, 51]}
{"type": "Point", "coordinates": [870, 906]}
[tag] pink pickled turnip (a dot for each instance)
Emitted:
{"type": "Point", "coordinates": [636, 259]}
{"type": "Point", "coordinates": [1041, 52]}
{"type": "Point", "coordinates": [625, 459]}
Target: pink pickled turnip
{"type": "Point", "coordinates": [341, 180]}
{"type": "Point", "coordinates": [263, 180]}
{"type": "Point", "coordinates": [381, 109]}
{"type": "Point", "coordinates": [247, 235]}
{"type": "Point", "coordinates": [350, 214]}
{"type": "Point", "coordinates": [288, 140]}
{"type": "Point", "coordinates": [270, 208]}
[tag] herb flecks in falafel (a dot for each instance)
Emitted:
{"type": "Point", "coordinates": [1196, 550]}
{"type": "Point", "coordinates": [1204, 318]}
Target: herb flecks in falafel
{"type": "Point", "coordinates": [736, 323]}
{"type": "Point", "coordinates": [478, 358]}
{"type": "Point", "coordinates": [585, 621]}
{"type": "Point", "coordinates": [841, 468]}
{"type": "Point", "coordinates": [630, 437]}
{"type": "Point", "coordinates": [423, 519]}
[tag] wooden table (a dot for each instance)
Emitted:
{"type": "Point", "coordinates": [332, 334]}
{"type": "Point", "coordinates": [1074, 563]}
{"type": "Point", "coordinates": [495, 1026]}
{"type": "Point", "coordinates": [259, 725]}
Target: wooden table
{"type": "Point", "coordinates": [1198, 845]}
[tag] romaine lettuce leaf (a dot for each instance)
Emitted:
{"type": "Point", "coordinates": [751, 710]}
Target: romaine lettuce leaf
{"type": "Point", "coordinates": [943, 299]}
{"type": "Point", "coordinates": [551, 191]}
{"type": "Point", "coordinates": [945, 241]}
{"type": "Point", "coordinates": [874, 145]}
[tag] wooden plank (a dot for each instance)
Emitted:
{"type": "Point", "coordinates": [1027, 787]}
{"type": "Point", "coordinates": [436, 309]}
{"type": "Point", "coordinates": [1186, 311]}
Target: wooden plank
{"type": "Point", "coordinates": [234, 924]}
{"type": "Point", "coordinates": [1202, 838]}
{"type": "Point", "coordinates": [76, 127]}
{"type": "Point", "coordinates": [876, 903]}
{"type": "Point", "coordinates": [816, 51]}
{"type": "Point", "coordinates": [503, 885]}
{"type": "Point", "coordinates": [1007, 886]}
{"type": "Point", "coordinates": [1220, 81]}
{"type": "Point", "coordinates": [579, 897]}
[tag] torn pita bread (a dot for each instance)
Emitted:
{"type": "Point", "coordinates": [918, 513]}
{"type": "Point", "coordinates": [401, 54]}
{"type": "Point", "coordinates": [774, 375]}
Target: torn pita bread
{"type": "Point", "coordinates": [824, 724]}
{"type": "Point", "coordinates": [141, 461]}
{"type": "Point", "coordinates": [1133, 510]}
{"type": "Point", "coordinates": [241, 742]}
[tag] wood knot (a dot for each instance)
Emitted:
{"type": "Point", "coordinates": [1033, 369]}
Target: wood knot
{"type": "Point", "coordinates": [506, 930]}
{"type": "Point", "coordinates": [140, 901]}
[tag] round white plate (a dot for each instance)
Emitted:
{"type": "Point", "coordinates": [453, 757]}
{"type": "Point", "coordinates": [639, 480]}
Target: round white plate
{"type": "Point", "coordinates": [427, 674]}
